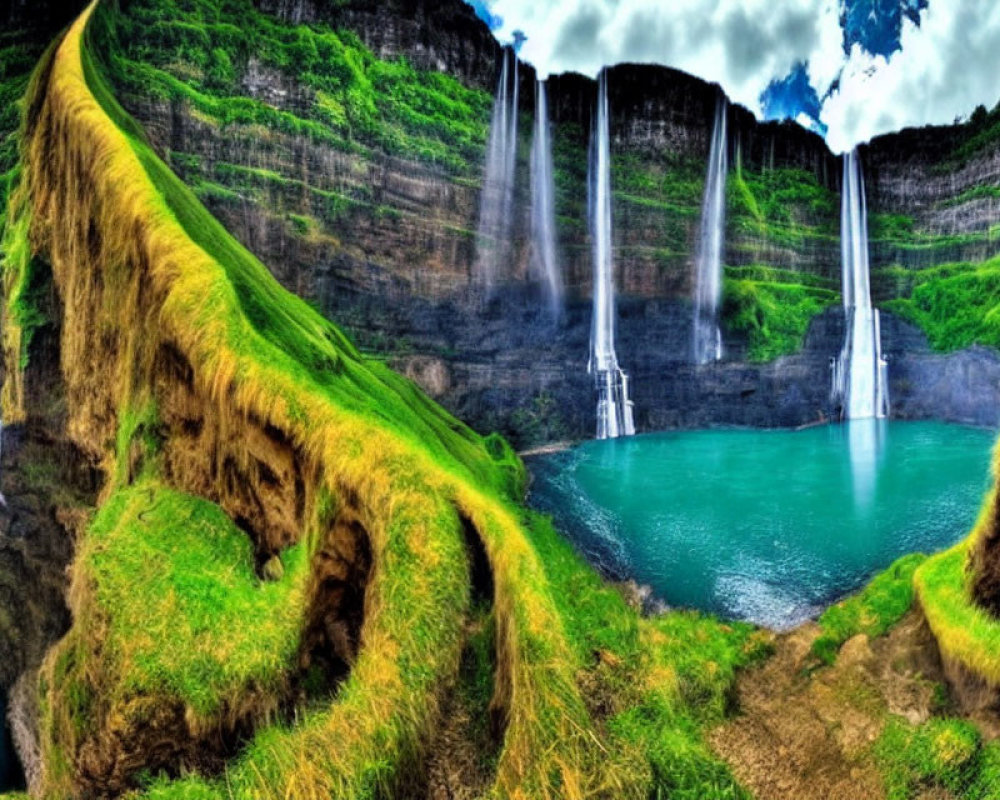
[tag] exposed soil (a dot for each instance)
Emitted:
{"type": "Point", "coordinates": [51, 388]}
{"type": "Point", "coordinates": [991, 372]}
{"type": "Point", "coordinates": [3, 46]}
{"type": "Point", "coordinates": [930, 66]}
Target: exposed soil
{"type": "Point", "coordinates": [461, 762]}
{"type": "Point", "coordinates": [805, 732]}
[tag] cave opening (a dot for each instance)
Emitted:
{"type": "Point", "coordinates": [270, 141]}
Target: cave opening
{"type": "Point", "coordinates": [11, 772]}
{"type": "Point", "coordinates": [332, 638]}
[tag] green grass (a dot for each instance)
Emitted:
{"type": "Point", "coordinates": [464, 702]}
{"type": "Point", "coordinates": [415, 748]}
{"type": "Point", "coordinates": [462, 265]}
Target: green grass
{"type": "Point", "coordinates": [772, 315]}
{"type": "Point", "coordinates": [965, 632]}
{"type": "Point", "coordinates": [956, 305]}
{"type": "Point", "coordinates": [939, 754]}
{"type": "Point", "coordinates": [661, 681]}
{"type": "Point", "coordinates": [873, 611]}
{"type": "Point", "coordinates": [176, 579]}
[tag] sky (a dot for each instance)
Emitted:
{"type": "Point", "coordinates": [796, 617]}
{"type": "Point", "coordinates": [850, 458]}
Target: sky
{"type": "Point", "coordinates": [848, 69]}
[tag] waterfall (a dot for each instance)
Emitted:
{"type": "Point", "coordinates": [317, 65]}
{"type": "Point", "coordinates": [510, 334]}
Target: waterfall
{"type": "Point", "coordinates": [708, 287]}
{"type": "Point", "coordinates": [614, 408]}
{"type": "Point", "coordinates": [497, 198]}
{"type": "Point", "coordinates": [543, 213]}
{"type": "Point", "coordinates": [860, 376]}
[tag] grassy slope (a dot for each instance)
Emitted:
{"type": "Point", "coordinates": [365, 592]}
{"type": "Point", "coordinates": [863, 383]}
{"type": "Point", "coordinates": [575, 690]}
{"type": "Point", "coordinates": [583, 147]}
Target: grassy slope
{"type": "Point", "coordinates": [194, 570]}
{"type": "Point", "coordinates": [255, 345]}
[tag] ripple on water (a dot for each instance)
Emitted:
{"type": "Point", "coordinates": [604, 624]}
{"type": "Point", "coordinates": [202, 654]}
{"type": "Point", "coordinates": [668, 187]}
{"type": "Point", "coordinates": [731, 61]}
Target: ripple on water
{"type": "Point", "coordinates": [765, 526]}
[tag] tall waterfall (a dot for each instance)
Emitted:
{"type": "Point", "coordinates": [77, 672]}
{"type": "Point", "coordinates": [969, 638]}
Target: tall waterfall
{"type": "Point", "coordinates": [614, 408]}
{"type": "Point", "coordinates": [860, 376]}
{"type": "Point", "coordinates": [543, 212]}
{"type": "Point", "coordinates": [497, 199]}
{"type": "Point", "coordinates": [708, 288]}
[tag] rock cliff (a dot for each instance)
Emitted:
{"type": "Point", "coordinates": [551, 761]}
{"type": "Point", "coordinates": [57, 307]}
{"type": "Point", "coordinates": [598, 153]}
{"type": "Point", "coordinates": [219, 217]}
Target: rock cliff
{"type": "Point", "coordinates": [378, 229]}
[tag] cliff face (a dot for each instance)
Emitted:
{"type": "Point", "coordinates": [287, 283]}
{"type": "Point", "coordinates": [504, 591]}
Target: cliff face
{"type": "Point", "coordinates": [382, 237]}
{"type": "Point", "coordinates": [932, 204]}
{"type": "Point", "coordinates": [446, 37]}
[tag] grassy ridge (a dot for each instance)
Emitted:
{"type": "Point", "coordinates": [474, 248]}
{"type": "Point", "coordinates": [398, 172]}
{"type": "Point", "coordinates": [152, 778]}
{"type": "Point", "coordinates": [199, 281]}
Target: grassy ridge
{"type": "Point", "coordinates": [258, 353]}
{"type": "Point", "coordinates": [367, 427]}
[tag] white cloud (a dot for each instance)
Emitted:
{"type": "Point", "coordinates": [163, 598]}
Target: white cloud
{"type": "Point", "coordinates": [946, 67]}
{"type": "Point", "coordinates": [742, 44]}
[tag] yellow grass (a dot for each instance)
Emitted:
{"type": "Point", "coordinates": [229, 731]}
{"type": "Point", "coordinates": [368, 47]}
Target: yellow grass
{"type": "Point", "coordinates": [131, 279]}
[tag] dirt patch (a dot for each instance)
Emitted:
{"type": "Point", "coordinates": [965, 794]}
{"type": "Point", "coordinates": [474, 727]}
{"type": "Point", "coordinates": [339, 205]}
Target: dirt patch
{"type": "Point", "coordinates": [806, 732]}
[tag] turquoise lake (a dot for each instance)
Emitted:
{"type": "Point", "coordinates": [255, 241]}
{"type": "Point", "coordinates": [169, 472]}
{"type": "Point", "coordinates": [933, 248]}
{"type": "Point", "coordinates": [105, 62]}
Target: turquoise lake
{"type": "Point", "coordinates": [766, 526]}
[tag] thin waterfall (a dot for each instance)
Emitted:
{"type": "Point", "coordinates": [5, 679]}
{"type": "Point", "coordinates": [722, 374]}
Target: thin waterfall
{"type": "Point", "coordinates": [708, 287]}
{"type": "Point", "coordinates": [497, 198]}
{"type": "Point", "coordinates": [860, 375]}
{"type": "Point", "coordinates": [543, 212]}
{"type": "Point", "coordinates": [614, 408]}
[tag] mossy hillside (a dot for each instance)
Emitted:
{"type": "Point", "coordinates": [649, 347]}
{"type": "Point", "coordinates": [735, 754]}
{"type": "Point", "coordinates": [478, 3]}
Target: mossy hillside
{"type": "Point", "coordinates": [341, 411]}
{"type": "Point", "coordinates": [780, 208]}
{"type": "Point", "coordinates": [965, 632]}
{"type": "Point", "coordinates": [773, 308]}
{"type": "Point", "coordinates": [312, 142]}
{"type": "Point", "coordinates": [18, 56]}
{"type": "Point", "coordinates": [178, 583]}
{"type": "Point", "coordinates": [20, 52]}
{"type": "Point", "coordinates": [413, 468]}
{"type": "Point", "coordinates": [955, 304]}
{"type": "Point", "coordinates": [782, 213]}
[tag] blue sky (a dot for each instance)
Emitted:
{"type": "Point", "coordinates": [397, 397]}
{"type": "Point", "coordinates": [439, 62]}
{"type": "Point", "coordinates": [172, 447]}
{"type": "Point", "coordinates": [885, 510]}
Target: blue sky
{"type": "Point", "coordinates": [850, 69]}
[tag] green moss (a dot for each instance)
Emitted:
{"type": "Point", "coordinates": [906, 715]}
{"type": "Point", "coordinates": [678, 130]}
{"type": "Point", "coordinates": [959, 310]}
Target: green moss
{"type": "Point", "coordinates": [783, 204]}
{"type": "Point", "coordinates": [186, 50]}
{"type": "Point", "coordinates": [873, 611]}
{"type": "Point", "coordinates": [941, 753]}
{"type": "Point", "coordinates": [176, 579]}
{"type": "Point", "coordinates": [773, 316]}
{"type": "Point", "coordinates": [965, 632]}
{"type": "Point", "coordinates": [956, 305]}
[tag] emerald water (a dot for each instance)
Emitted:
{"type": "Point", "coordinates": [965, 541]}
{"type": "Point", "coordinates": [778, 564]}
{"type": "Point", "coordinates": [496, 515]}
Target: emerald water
{"type": "Point", "coordinates": [766, 526]}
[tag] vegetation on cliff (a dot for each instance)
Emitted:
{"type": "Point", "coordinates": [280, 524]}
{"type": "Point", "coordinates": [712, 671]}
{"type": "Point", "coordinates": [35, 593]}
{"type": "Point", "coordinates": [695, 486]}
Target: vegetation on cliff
{"type": "Point", "coordinates": [259, 469]}
{"type": "Point", "coordinates": [220, 407]}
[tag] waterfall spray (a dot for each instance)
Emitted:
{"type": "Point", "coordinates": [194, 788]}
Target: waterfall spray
{"type": "Point", "coordinates": [543, 214]}
{"type": "Point", "coordinates": [860, 375]}
{"type": "Point", "coordinates": [614, 408]}
{"type": "Point", "coordinates": [497, 198]}
{"type": "Point", "coordinates": [708, 288]}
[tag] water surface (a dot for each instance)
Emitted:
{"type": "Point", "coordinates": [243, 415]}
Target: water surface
{"type": "Point", "coordinates": [767, 526]}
